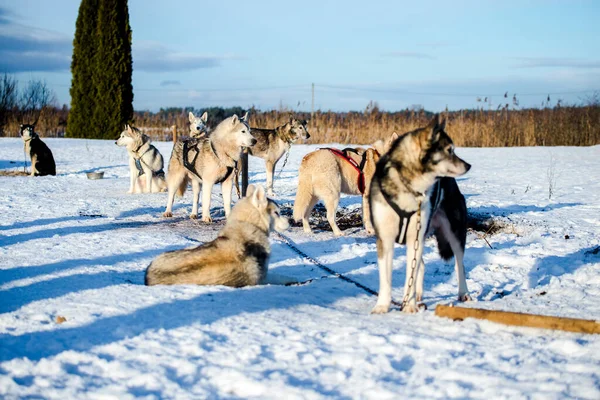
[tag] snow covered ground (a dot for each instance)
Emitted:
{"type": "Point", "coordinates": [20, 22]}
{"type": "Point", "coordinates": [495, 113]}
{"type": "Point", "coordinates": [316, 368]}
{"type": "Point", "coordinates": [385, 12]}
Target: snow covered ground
{"type": "Point", "coordinates": [77, 249]}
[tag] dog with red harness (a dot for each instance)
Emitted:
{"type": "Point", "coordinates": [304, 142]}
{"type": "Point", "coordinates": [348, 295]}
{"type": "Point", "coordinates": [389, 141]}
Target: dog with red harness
{"type": "Point", "coordinates": [326, 173]}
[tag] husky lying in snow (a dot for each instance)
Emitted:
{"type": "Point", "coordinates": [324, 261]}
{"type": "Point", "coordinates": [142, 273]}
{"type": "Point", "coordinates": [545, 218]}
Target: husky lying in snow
{"type": "Point", "coordinates": [239, 256]}
{"type": "Point", "coordinates": [42, 161]}
{"type": "Point", "coordinates": [145, 162]}
{"type": "Point", "coordinates": [208, 161]}
{"type": "Point", "coordinates": [326, 173]}
{"type": "Point", "coordinates": [418, 171]}
{"type": "Point", "coordinates": [273, 143]}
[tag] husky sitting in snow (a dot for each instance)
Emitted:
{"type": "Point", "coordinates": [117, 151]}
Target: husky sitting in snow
{"type": "Point", "coordinates": [239, 256]}
{"type": "Point", "coordinates": [145, 162]}
{"type": "Point", "coordinates": [42, 161]}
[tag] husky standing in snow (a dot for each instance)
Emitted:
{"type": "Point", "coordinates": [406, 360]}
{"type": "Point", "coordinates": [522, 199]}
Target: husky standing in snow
{"type": "Point", "coordinates": [205, 162]}
{"type": "Point", "coordinates": [42, 161]}
{"type": "Point", "coordinates": [413, 192]}
{"type": "Point", "coordinates": [272, 144]}
{"type": "Point", "coordinates": [198, 126]}
{"type": "Point", "coordinates": [326, 173]}
{"type": "Point", "coordinates": [145, 162]}
{"type": "Point", "coordinates": [239, 256]}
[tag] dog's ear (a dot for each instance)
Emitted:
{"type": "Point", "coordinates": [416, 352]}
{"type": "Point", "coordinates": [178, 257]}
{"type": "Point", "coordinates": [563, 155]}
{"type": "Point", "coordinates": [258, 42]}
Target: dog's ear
{"type": "Point", "coordinates": [259, 198]}
{"type": "Point", "coordinates": [204, 117]}
{"type": "Point", "coordinates": [191, 116]}
{"type": "Point", "coordinates": [250, 190]}
{"type": "Point", "coordinates": [434, 123]}
{"type": "Point", "coordinates": [235, 119]}
{"type": "Point", "coordinates": [245, 117]}
{"type": "Point", "coordinates": [379, 146]}
{"type": "Point", "coordinates": [442, 125]}
{"type": "Point", "coordinates": [129, 129]}
{"type": "Point", "coordinates": [433, 129]}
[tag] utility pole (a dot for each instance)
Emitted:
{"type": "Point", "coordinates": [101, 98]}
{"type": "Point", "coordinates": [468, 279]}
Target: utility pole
{"type": "Point", "coordinates": [312, 103]}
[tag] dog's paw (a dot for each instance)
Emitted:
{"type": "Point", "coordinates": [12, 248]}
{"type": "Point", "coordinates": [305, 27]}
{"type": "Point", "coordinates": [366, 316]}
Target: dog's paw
{"type": "Point", "coordinates": [419, 296]}
{"type": "Point", "coordinates": [338, 233]}
{"type": "Point", "coordinates": [380, 309]}
{"type": "Point", "coordinates": [167, 214]}
{"type": "Point", "coordinates": [464, 297]}
{"type": "Point", "coordinates": [194, 216]}
{"type": "Point", "coordinates": [410, 308]}
{"type": "Point", "coordinates": [208, 220]}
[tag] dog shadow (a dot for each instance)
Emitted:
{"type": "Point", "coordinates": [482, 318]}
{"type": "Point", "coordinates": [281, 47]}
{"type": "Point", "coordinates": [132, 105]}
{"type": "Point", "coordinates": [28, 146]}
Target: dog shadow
{"type": "Point", "coordinates": [14, 298]}
{"type": "Point", "coordinates": [39, 222]}
{"type": "Point", "coordinates": [204, 308]}
{"type": "Point", "coordinates": [518, 209]}
{"type": "Point", "coordinates": [6, 164]}
{"type": "Point", "coordinates": [8, 240]}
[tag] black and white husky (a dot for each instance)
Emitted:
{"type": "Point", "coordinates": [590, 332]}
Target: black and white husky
{"type": "Point", "coordinates": [42, 161]}
{"type": "Point", "coordinates": [146, 174]}
{"type": "Point", "coordinates": [414, 193]}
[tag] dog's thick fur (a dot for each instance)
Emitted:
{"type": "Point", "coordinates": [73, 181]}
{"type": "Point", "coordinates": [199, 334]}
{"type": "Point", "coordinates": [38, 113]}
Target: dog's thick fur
{"type": "Point", "coordinates": [146, 164]}
{"type": "Point", "coordinates": [239, 256]}
{"type": "Point", "coordinates": [213, 160]}
{"type": "Point", "coordinates": [405, 177]}
{"type": "Point", "coordinates": [324, 175]}
{"type": "Point", "coordinates": [42, 160]}
{"type": "Point", "coordinates": [198, 127]}
{"type": "Point", "coordinates": [273, 143]}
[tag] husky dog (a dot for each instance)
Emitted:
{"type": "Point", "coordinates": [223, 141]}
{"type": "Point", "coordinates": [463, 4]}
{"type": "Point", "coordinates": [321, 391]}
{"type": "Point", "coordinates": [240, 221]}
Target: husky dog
{"type": "Point", "coordinates": [418, 171]}
{"type": "Point", "coordinates": [198, 126]}
{"type": "Point", "coordinates": [42, 161]}
{"type": "Point", "coordinates": [206, 162]}
{"type": "Point", "coordinates": [239, 256]}
{"type": "Point", "coordinates": [145, 162]}
{"type": "Point", "coordinates": [273, 143]}
{"type": "Point", "coordinates": [326, 173]}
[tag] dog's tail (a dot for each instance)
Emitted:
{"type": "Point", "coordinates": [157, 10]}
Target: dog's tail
{"type": "Point", "coordinates": [304, 193]}
{"type": "Point", "coordinates": [183, 185]}
{"type": "Point", "coordinates": [444, 247]}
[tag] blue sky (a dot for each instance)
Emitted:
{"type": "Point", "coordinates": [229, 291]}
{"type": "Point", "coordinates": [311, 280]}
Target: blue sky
{"type": "Point", "coordinates": [268, 53]}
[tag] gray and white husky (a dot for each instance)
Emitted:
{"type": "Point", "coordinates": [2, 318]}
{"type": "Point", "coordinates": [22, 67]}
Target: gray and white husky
{"type": "Point", "coordinates": [42, 160]}
{"type": "Point", "coordinates": [273, 143]}
{"type": "Point", "coordinates": [205, 162]}
{"type": "Point", "coordinates": [418, 171]}
{"type": "Point", "coordinates": [239, 256]}
{"type": "Point", "coordinates": [146, 165]}
{"type": "Point", "coordinates": [198, 127]}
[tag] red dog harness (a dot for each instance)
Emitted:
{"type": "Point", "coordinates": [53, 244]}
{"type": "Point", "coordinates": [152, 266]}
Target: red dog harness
{"type": "Point", "coordinates": [361, 176]}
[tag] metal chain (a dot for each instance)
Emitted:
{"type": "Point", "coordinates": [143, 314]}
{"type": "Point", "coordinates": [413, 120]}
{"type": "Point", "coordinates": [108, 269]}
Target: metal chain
{"type": "Point", "coordinates": [287, 241]}
{"type": "Point", "coordinates": [287, 155]}
{"type": "Point", "coordinates": [414, 260]}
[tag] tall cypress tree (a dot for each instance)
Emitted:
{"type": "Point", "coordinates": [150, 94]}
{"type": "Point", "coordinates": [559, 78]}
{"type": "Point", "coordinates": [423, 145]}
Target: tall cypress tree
{"type": "Point", "coordinates": [83, 92]}
{"type": "Point", "coordinates": [113, 69]}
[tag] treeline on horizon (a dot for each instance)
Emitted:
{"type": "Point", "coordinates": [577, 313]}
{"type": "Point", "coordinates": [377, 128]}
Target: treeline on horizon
{"type": "Point", "coordinates": [549, 126]}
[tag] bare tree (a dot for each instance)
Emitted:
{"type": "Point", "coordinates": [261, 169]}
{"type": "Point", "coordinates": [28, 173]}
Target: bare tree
{"type": "Point", "coordinates": [8, 98]}
{"type": "Point", "coordinates": [35, 97]}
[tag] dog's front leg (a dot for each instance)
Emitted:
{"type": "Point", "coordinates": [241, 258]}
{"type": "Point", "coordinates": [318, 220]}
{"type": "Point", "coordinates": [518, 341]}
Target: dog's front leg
{"type": "Point", "coordinates": [206, 193]}
{"type": "Point", "coordinates": [226, 188]}
{"type": "Point", "coordinates": [385, 259]}
{"type": "Point", "coordinates": [133, 175]}
{"type": "Point", "coordinates": [367, 215]}
{"type": "Point", "coordinates": [196, 197]}
{"type": "Point", "coordinates": [148, 173]}
{"type": "Point", "coordinates": [270, 172]}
